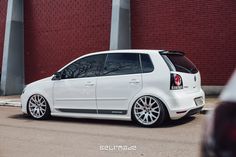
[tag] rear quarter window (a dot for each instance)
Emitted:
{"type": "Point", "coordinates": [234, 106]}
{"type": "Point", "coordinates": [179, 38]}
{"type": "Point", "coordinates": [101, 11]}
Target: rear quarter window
{"type": "Point", "coordinates": [146, 62]}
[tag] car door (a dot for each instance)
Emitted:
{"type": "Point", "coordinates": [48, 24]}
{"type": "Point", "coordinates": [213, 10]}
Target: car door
{"type": "Point", "coordinates": [121, 80]}
{"type": "Point", "coordinates": [75, 91]}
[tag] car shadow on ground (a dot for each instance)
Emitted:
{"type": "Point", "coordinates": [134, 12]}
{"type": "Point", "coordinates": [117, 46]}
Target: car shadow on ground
{"type": "Point", "coordinates": [182, 121]}
{"type": "Point", "coordinates": [167, 124]}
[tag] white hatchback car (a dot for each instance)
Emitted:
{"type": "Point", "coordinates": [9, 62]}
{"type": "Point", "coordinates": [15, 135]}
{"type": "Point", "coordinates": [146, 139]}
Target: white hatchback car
{"type": "Point", "coordinates": [146, 86]}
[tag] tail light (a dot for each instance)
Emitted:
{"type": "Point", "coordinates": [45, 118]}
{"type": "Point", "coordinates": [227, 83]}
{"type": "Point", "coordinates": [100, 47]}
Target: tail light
{"type": "Point", "coordinates": [176, 82]}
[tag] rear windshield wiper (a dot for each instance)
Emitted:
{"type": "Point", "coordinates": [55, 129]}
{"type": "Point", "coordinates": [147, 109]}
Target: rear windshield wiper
{"type": "Point", "coordinates": [186, 69]}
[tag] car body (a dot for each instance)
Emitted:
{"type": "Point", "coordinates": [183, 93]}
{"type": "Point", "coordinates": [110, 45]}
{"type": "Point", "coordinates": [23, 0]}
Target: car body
{"type": "Point", "coordinates": [107, 84]}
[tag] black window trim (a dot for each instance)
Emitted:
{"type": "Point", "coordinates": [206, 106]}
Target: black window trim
{"type": "Point", "coordinates": [104, 63]}
{"type": "Point", "coordinates": [142, 63]}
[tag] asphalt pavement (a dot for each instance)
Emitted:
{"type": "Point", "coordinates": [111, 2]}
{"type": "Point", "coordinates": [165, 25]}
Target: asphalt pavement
{"type": "Point", "coordinates": [21, 136]}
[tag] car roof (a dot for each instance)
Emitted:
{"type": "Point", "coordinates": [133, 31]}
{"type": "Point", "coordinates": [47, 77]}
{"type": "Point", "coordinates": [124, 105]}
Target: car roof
{"type": "Point", "coordinates": [113, 51]}
{"type": "Point", "coordinates": [124, 51]}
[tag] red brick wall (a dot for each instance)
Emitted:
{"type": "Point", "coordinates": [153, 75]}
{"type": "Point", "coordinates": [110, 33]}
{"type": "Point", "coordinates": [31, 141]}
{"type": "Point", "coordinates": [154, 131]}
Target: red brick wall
{"type": "Point", "coordinates": [58, 31]}
{"type": "Point", "coordinates": [205, 30]}
{"type": "Point", "coordinates": [3, 13]}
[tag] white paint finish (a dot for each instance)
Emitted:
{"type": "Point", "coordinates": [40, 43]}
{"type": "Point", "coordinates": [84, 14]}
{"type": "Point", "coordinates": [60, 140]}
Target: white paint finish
{"type": "Point", "coordinates": [190, 85]}
{"type": "Point", "coordinates": [115, 92]}
{"type": "Point", "coordinates": [43, 87]}
{"type": "Point", "coordinates": [181, 101]}
{"type": "Point", "coordinates": [76, 93]}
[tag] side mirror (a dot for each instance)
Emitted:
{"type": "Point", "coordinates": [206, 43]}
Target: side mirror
{"type": "Point", "coordinates": [57, 76]}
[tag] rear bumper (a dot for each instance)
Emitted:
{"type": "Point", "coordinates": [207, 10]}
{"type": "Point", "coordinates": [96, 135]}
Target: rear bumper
{"type": "Point", "coordinates": [194, 111]}
{"type": "Point", "coordinates": [183, 104]}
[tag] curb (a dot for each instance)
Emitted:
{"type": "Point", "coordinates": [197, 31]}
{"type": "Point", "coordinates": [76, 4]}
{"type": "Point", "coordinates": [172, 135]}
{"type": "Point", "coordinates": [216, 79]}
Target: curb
{"type": "Point", "coordinates": [13, 103]}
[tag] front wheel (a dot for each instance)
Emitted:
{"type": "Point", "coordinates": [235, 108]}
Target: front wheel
{"type": "Point", "coordinates": [148, 111]}
{"type": "Point", "coordinates": [38, 107]}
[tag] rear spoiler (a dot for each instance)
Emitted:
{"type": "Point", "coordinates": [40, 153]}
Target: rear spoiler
{"type": "Point", "coordinates": [172, 53]}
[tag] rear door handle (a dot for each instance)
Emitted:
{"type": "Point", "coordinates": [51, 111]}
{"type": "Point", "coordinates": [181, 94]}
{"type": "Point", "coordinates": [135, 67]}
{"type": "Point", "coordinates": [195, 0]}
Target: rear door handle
{"type": "Point", "coordinates": [134, 81]}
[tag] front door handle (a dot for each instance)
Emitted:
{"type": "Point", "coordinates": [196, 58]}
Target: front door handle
{"type": "Point", "coordinates": [89, 84]}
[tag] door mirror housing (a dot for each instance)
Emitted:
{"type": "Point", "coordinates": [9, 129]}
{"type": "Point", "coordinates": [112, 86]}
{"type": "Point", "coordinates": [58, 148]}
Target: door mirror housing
{"type": "Point", "coordinates": [57, 76]}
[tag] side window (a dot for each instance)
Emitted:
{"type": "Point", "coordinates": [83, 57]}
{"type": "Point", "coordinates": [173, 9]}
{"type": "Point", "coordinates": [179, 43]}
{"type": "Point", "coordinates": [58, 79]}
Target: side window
{"type": "Point", "coordinates": [147, 65]}
{"type": "Point", "coordinates": [122, 63]}
{"type": "Point", "coordinates": [86, 67]}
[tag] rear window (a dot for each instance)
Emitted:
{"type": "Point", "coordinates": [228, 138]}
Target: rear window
{"type": "Point", "coordinates": [178, 62]}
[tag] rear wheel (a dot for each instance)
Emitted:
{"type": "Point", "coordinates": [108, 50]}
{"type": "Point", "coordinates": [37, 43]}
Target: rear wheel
{"type": "Point", "coordinates": [38, 107]}
{"type": "Point", "coordinates": [148, 111]}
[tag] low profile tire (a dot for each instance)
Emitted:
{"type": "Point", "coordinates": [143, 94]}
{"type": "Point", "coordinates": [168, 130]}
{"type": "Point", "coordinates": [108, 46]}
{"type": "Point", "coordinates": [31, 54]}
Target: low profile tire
{"type": "Point", "coordinates": [148, 111]}
{"type": "Point", "coordinates": [38, 107]}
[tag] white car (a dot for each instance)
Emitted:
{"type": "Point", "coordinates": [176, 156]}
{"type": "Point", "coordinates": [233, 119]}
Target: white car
{"type": "Point", "coordinates": [146, 86]}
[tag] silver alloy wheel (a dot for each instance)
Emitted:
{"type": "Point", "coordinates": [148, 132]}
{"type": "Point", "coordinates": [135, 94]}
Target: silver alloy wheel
{"type": "Point", "coordinates": [37, 106]}
{"type": "Point", "coordinates": [147, 110]}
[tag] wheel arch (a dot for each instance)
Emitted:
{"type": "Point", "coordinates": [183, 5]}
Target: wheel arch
{"type": "Point", "coordinates": [45, 95]}
{"type": "Point", "coordinates": [158, 95]}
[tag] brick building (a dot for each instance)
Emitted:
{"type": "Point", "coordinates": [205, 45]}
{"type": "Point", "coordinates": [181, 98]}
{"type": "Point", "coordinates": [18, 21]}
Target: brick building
{"type": "Point", "coordinates": [56, 32]}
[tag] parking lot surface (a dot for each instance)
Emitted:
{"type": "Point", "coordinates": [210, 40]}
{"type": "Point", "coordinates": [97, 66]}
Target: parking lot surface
{"type": "Point", "coordinates": [65, 137]}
